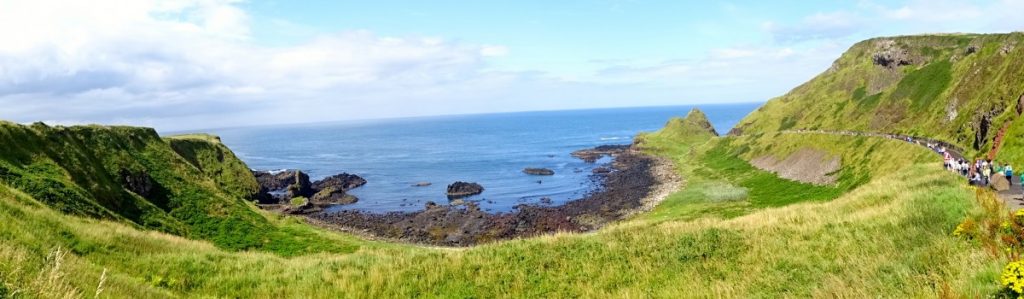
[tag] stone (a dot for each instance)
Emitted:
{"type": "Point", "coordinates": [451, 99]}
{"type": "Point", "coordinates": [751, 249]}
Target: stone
{"type": "Point", "coordinates": [538, 171]}
{"type": "Point", "coordinates": [137, 182]}
{"type": "Point", "coordinates": [464, 189]}
{"type": "Point", "coordinates": [999, 183]}
{"type": "Point", "coordinates": [333, 196]}
{"type": "Point", "coordinates": [345, 181]}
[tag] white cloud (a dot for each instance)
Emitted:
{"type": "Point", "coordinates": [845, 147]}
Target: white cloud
{"type": "Point", "coordinates": [830, 25]}
{"type": "Point", "coordinates": [493, 51]}
{"type": "Point", "coordinates": [159, 62]}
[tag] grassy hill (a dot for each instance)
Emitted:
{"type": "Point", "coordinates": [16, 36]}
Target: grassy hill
{"type": "Point", "coordinates": [191, 186]}
{"type": "Point", "coordinates": [960, 88]}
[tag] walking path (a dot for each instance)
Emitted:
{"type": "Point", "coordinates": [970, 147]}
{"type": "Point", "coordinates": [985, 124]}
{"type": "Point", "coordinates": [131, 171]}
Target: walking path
{"type": "Point", "coordinates": [1013, 197]}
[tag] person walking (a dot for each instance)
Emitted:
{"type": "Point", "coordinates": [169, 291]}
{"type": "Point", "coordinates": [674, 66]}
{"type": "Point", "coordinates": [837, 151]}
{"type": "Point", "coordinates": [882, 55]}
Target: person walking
{"type": "Point", "coordinates": [986, 174]}
{"type": "Point", "coordinates": [1008, 171]}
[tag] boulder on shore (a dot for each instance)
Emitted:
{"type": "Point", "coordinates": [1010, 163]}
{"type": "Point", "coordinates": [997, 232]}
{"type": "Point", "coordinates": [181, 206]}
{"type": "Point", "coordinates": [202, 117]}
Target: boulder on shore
{"type": "Point", "coordinates": [591, 155]}
{"type": "Point", "coordinates": [343, 181]}
{"type": "Point", "coordinates": [333, 196]}
{"type": "Point", "coordinates": [464, 189]}
{"type": "Point", "coordinates": [538, 171]}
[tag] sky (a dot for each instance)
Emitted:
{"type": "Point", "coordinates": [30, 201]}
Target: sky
{"type": "Point", "coordinates": [194, 64]}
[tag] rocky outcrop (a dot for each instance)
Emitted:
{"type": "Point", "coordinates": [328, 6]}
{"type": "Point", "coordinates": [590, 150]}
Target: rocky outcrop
{"type": "Point", "coordinates": [891, 56]}
{"type": "Point", "coordinates": [538, 171]}
{"type": "Point", "coordinates": [971, 50]}
{"type": "Point", "coordinates": [332, 195]}
{"type": "Point", "coordinates": [593, 154]}
{"type": "Point", "coordinates": [279, 186]}
{"type": "Point", "coordinates": [138, 182]}
{"type": "Point", "coordinates": [343, 181]}
{"type": "Point", "coordinates": [464, 189]}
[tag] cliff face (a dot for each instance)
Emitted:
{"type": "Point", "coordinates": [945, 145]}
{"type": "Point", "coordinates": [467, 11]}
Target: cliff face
{"type": "Point", "coordinates": [188, 186]}
{"type": "Point", "coordinates": [964, 89]}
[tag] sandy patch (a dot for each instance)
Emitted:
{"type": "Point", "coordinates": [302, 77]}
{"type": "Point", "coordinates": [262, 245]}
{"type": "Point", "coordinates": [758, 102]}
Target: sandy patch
{"type": "Point", "coordinates": [805, 165]}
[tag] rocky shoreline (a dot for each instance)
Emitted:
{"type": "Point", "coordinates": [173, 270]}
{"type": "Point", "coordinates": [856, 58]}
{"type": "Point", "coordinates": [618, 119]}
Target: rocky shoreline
{"type": "Point", "coordinates": [627, 187]}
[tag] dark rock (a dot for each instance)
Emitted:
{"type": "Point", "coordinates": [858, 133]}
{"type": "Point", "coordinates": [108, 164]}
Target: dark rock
{"type": "Point", "coordinates": [602, 170]}
{"type": "Point", "coordinates": [430, 205]}
{"type": "Point", "coordinates": [971, 50]}
{"type": "Point", "coordinates": [593, 154]}
{"type": "Point", "coordinates": [545, 200]}
{"type": "Point", "coordinates": [1020, 105]}
{"type": "Point", "coordinates": [344, 181]}
{"type": "Point", "coordinates": [291, 183]}
{"type": "Point", "coordinates": [464, 189]}
{"type": "Point", "coordinates": [421, 184]}
{"type": "Point", "coordinates": [137, 182]}
{"type": "Point", "coordinates": [538, 171]}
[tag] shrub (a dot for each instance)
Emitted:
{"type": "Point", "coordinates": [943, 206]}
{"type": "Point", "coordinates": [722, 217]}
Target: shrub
{"type": "Point", "coordinates": [968, 229]}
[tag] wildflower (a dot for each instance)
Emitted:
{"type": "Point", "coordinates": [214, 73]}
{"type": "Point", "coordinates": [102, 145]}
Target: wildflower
{"type": "Point", "coordinates": [1013, 278]}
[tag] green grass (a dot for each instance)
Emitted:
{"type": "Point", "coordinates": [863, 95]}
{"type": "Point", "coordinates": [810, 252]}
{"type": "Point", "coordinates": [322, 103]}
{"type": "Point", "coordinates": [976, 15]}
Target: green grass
{"type": "Point", "coordinates": [922, 87]}
{"type": "Point", "coordinates": [888, 238]}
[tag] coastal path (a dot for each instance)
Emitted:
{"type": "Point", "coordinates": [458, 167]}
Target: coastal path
{"type": "Point", "coordinates": [1013, 197]}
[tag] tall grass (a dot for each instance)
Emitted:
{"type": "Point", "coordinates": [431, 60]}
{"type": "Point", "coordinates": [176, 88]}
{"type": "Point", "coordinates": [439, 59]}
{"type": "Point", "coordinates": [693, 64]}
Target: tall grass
{"type": "Point", "coordinates": [891, 237]}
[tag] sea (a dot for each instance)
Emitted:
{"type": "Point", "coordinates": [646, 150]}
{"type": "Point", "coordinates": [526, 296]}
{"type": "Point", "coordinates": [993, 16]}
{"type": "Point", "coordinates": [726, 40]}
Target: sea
{"type": "Point", "coordinates": [393, 155]}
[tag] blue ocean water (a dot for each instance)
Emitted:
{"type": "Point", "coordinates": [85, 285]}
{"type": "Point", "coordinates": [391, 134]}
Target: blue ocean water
{"type": "Point", "coordinates": [490, 149]}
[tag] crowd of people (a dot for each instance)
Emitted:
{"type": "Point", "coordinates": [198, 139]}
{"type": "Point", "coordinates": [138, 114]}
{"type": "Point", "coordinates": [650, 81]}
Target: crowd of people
{"type": "Point", "coordinates": [981, 172]}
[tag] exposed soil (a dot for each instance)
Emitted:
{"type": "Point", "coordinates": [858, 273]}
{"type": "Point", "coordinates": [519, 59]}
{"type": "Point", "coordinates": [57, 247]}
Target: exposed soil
{"type": "Point", "coordinates": [805, 165]}
{"type": "Point", "coordinates": [623, 191]}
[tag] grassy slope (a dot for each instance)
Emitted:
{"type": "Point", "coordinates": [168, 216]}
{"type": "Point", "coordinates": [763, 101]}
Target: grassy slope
{"type": "Point", "coordinates": [888, 238]}
{"type": "Point", "coordinates": [200, 188]}
{"type": "Point", "coordinates": [856, 94]}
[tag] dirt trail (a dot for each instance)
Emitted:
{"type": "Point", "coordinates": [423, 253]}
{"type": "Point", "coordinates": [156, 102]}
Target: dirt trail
{"type": "Point", "coordinates": [1013, 197]}
{"type": "Point", "coordinates": [997, 143]}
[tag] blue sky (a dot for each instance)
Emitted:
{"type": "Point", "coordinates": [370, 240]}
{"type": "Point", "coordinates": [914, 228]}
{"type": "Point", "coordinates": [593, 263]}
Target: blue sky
{"type": "Point", "coordinates": [192, 64]}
